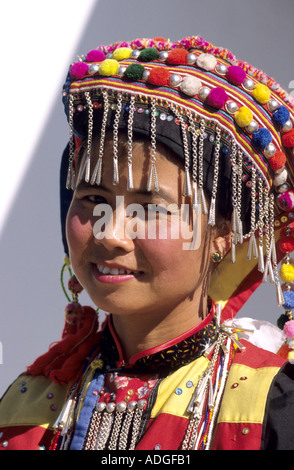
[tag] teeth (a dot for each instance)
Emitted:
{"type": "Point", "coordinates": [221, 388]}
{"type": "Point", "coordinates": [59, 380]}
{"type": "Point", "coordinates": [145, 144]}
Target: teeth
{"type": "Point", "coordinates": [113, 271]}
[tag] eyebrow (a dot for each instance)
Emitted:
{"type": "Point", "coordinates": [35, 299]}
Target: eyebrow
{"type": "Point", "coordinates": [140, 192]}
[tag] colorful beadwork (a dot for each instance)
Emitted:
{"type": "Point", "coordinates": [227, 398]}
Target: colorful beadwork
{"type": "Point", "coordinates": [192, 83]}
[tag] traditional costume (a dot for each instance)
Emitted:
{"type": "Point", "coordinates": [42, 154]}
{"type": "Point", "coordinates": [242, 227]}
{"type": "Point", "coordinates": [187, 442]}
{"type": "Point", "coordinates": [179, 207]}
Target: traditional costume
{"type": "Point", "coordinates": [232, 127]}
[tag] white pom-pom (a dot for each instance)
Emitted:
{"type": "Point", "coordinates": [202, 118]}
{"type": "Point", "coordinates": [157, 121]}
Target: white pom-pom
{"type": "Point", "coordinates": [281, 178]}
{"type": "Point", "coordinates": [206, 62]}
{"type": "Point", "coordinates": [190, 85]}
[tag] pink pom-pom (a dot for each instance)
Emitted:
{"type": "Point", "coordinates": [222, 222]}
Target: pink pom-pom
{"type": "Point", "coordinates": [217, 98]}
{"type": "Point", "coordinates": [95, 56]}
{"type": "Point", "coordinates": [78, 70]}
{"type": "Point", "coordinates": [289, 329]}
{"type": "Point", "coordinates": [236, 75]}
{"type": "Point", "coordinates": [286, 200]}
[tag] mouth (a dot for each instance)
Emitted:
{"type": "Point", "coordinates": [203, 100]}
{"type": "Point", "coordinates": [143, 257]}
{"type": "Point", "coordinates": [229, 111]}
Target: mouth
{"type": "Point", "coordinates": [115, 271]}
{"type": "Point", "coordinates": [114, 274]}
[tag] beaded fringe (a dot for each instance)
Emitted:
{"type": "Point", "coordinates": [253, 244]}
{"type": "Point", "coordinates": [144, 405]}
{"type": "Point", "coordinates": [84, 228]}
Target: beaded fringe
{"type": "Point", "coordinates": [205, 402]}
{"type": "Point", "coordinates": [193, 181]}
{"type": "Point", "coordinates": [115, 426]}
{"type": "Point", "coordinates": [119, 426]}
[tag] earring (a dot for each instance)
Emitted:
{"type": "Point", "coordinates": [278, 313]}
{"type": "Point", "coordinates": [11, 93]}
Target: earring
{"type": "Point", "coordinates": [216, 257]}
{"type": "Point", "coordinates": [74, 312]}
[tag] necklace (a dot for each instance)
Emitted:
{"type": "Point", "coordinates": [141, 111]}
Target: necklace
{"type": "Point", "coordinates": [119, 424]}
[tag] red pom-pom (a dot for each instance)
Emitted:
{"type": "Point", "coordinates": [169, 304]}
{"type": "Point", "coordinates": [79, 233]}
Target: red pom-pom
{"type": "Point", "coordinates": [177, 56]}
{"type": "Point", "coordinates": [236, 74]}
{"type": "Point", "coordinates": [95, 56]}
{"type": "Point", "coordinates": [288, 138]}
{"type": "Point", "coordinates": [78, 70]}
{"type": "Point", "coordinates": [286, 244]}
{"type": "Point", "coordinates": [217, 98]}
{"type": "Point", "coordinates": [159, 76]}
{"type": "Point", "coordinates": [278, 160]}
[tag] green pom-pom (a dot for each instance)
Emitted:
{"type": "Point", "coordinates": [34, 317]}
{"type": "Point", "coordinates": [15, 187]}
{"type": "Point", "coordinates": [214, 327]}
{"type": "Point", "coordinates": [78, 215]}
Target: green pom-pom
{"type": "Point", "coordinates": [134, 72]}
{"type": "Point", "coordinates": [282, 320]}
{"type": "Point", "coordinates": [148, 54]}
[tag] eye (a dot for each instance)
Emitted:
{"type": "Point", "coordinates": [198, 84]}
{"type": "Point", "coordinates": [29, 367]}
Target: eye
{"type": "Point", "coordinates": [155, 209]}
{"type": "Point", "coordinates": [89, 197]}
{"type": "Point", "coordinates": [95, 199]}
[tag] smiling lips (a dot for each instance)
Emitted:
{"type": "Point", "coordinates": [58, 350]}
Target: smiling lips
{"type": "Point", "coordinates": [113, 275]}
{"type": "Point", "coordinates": [114, 271]}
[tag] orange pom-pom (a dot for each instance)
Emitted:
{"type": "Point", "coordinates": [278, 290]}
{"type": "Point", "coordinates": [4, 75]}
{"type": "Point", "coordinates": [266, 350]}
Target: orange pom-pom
{"type": "Point", "coordinates": [159, 76]}
{"type": "Point", "coordinates": [286, 244]}
{"type": "Point", "coordinates": [159, 39]}
{"type": "Point", "coordinates": [278, 160]}
{"type": "Point", "coordinates": [177, 56]}
{"type": "Point", "coordinates": [288, 139]}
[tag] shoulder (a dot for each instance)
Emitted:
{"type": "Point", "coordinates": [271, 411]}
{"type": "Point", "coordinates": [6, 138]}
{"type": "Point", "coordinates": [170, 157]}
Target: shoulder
{"type": "Point", "coordinates": [245, 401]}
{"type": "Point", "coordinates": [28, 411]}
{"type": "Point", "coordinates": [248, 384]}
{"type": "Point", "coordinates": [256, 357]}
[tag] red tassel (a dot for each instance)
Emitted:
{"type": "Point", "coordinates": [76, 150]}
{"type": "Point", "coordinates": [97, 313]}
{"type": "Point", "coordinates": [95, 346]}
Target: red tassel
{"type": "Point", "coordinates": [63, 361]}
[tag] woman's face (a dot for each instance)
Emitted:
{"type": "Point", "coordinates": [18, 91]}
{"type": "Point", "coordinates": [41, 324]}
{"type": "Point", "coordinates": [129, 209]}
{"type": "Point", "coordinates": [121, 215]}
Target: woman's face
{"type": "Point", "coordinates": [147, 274]}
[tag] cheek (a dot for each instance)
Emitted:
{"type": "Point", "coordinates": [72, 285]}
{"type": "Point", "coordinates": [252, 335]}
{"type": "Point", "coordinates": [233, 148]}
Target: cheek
{"type": "Point", "coordinates": [167, 258]}
{"type": "Point", "coordinates": [78, 231]}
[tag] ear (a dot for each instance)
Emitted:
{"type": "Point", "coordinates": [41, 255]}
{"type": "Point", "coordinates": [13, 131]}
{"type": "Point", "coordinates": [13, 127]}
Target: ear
{"type": "Point", "coordinates": [222, 241]}
{"type": "Point", "coordinates": [222, 244]}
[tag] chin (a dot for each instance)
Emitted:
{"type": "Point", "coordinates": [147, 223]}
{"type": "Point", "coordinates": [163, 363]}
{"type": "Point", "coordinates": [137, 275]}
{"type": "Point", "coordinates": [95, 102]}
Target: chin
{"type": "Point", "coordinates": [115, 306]}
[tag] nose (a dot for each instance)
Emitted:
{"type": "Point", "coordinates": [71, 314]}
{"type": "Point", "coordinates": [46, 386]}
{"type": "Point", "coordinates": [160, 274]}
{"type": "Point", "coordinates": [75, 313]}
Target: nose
{"type": "Point", "coordinates": [110, 229]}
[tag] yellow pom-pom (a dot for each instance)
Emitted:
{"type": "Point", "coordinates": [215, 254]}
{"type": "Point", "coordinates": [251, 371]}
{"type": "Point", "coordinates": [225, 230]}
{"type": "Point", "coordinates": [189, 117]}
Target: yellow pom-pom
{"type": "Point", "coordinates": [261, 93]}
{"type": "Point", "coordinates": [287, 272]}
{"type": "Point", "coordinates": [122, 53]}
{"type": "Point", "coordinates": [243, 117]}
{"type": "Point", "coordinates": [108, 67]}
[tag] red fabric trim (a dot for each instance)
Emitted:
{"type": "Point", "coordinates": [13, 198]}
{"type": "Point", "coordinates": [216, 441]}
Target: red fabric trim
{"type": "Point", "coordinates": [237, 436]}
{"type": "Point", "coordinates": [166, 431]}
{"type": "Point", "coordinates": [25, 438]}
{"type": "Point", "coordinates": [162, 346]}
{"type": "Point", "coordinates": [256, 357]}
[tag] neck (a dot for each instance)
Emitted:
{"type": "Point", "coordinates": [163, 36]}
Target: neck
{"type": "Point", "coordinates": [141, 332]}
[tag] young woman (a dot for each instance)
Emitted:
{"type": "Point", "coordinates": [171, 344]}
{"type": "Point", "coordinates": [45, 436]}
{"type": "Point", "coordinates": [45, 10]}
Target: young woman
{"type": "Point", "coordinates": [178, 174]}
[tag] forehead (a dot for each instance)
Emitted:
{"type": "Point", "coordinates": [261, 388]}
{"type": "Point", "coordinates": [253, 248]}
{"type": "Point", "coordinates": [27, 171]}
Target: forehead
{"type": "Point", "coordinates": [139, 152]}
{"type": "Point", "coordinates": [140, 145]}
{"type": "Point", "coordinates": [169, 167]}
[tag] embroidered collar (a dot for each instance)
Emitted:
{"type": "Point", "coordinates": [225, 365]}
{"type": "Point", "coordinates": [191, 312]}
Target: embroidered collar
{"type": "Point", "coordinates": [167, 356]}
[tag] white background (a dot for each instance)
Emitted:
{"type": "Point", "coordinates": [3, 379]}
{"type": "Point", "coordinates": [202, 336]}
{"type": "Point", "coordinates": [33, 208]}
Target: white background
{"type": "Point", "coordinates": [38, 41]}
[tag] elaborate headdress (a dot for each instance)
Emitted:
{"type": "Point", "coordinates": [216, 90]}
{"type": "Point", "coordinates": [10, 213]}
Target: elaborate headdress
{"type": "Point", "coordinates": [230, 124]}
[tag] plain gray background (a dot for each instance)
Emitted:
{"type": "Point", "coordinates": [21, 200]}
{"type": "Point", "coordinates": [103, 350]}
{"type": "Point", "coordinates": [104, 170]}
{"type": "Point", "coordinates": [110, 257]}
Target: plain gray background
{"type": "Point", "coordinates": [32, 302]}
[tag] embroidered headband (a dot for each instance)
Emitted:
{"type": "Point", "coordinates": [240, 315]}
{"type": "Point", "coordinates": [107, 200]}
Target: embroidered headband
{"type": "Point", "coordinates": [230, 124]}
